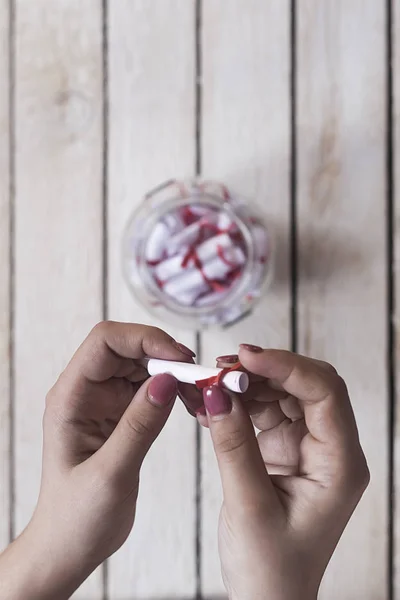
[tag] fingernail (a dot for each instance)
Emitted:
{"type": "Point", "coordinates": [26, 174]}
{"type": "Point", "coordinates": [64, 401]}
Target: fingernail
{"type": "Point", "coordinates": [217, 402]}
{"type": "Point", "coordinates": [229, 358]}
{"type": "Point", "coordinates": [163, 389]}
{"type": "Point", "coordinates": [251, 348]}
{"type": "Point", "coordinates": [185, 350]}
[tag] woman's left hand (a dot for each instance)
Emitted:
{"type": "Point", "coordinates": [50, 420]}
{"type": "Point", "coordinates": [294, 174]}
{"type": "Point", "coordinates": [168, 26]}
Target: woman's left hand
{"type": "Point", "coordinates": [101, 418]}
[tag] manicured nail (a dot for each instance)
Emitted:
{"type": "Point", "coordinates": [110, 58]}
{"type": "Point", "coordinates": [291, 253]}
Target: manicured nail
{"type": "Point", "coordinates": [163, 389]}
{"type": "Point", "coordinates": [251, 348]}
{"type": "Point", "coordinates": [185, 350]}
{"type": "Point", "coordinates": [229, 358]}
{"type": "Point", "coordinates": [217, 401]}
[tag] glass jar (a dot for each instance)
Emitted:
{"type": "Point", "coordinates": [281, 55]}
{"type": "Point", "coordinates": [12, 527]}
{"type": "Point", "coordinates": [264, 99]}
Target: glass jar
{"type": "Point", "coordinates": [196, 255]}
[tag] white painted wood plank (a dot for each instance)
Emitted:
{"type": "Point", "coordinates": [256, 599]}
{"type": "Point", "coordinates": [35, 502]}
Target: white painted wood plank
{"type": "Point", "coordinates": [4, 278]}
{"type": "Point", "coordinates": [151, 139]}
{"type": "Point", "coordinates": [245, 143]}
{"type": "Point", "coordinates": [396, 272]}
{"type": "Point", "coordinates": [341, 226]}
{"type": "Point", "coordinates": [58, 213]}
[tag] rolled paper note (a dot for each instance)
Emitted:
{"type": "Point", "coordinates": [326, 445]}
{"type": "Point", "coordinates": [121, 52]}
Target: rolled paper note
{"type": "Point", "coordinates": [196, 280]}
{"type": "Point", "coordinates": [221, 265]}
{"type": "Point", "coordinates": [156, 243]}
{"type": "Point", "coordinates": [174, 223]}
{"type": "Point", "coordinates": [235, 381]}
{"type": "Point", "coordinates": [186, 288]}
{"type": "Point", "coordinates": [189, 297]}
{"type": "Point", "coordinates": [225, 223]}
{"type": "Point", "coordinates": [204, 252]}
{"type": "Point", "coordinates": [190, 234]}
{"type": "Point", "coordinates": [212, 246]}
{"type": "Point", "coordinates": [199, 210]}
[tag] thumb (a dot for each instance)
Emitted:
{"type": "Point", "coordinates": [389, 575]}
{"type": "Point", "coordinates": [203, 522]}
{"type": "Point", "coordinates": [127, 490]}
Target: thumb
{"type": "Point", "coordinates": [245, 480]}
{"type": "Point", "coordinates": [122, 454]}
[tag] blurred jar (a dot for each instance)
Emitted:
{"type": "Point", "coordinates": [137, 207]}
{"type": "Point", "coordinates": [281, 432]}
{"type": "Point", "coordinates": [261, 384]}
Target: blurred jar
{"type": "Point", "coordinates": [196, 255]}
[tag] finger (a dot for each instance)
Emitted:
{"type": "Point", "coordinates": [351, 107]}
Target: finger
{"type": "Point", "coordinates": [290, 406]}
{"type": "Point", "coordinates": [202, 418]}
{"type": "Point", "coordinates": [138, 374]}
{"type": "Point", "coordinates": [323, 394]}
{"type": "Point", "coordinates": [224, 362]}
{"type": "Point", "coordinates": [244, 478]}
{"type": "Point", "coordinates": [265, 416]}
{"type": "Point", "coordinates": [191, 397]}
{"type": "Point", "coordinates": [280, 445]}
{"type": "Point", "coordinates": [281, 470]}
{"type": "Point", "coordinates": [262, 404]}
{"type": "Point", "coordinates": [122, 454]}
{"type": "Point", "coordinates": [263, 393]}
{"type": "Point", "coordinates": [111, 349]}
{"type": "Point", "coordinates": [275, 383]}
{"type": "Point", "coordinates": [227, 360]}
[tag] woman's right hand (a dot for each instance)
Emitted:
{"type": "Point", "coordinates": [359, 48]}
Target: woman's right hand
{"type": "Point", "coordinates": [290, 491]}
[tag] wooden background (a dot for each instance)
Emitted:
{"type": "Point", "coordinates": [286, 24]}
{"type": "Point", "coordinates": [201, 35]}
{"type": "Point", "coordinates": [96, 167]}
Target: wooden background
{"type": "Point", "coordinates": [293, 103]}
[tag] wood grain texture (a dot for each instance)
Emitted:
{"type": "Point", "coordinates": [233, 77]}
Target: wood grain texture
{"type": "Point", "coordinates": [4, 277]}
{"type": "Point", "coordinates": [58, 214]}
{"type": "Point", "coordinates": [245, 143]}
{"type": "Point", "coordinates": [341, 235]}
{"type": "Point", "coordinates": [151, 139]}
{"type": "Point", "coordinates": [396, 273]}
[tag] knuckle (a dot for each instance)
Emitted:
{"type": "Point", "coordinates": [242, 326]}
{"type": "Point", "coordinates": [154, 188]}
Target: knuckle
{"type": "Point", "coordinates": [329, 367]}
{"type": "Point", "coordinates": [156, 330]}
{"type": "Point", "coordinates": [156, 336]}
{"type": "Point", "coordinates": [101, 329]}
{"type": "Point", "coordinates": [139, 427]}
{"type": "Point", "coordinates": [338, 386]}
{"type": "Point", "coordinates": [50, 397]}
{"type": "Point", "coordinates": [53, 419]}
{"type": "Point", "coordinates": [55, 395]}
{"type": "Point", "coordinates": [361, 475]}
{"type": "Point", "coordinates": [356, 477]}
{"type": "Point", "coordinates": [231, 443]}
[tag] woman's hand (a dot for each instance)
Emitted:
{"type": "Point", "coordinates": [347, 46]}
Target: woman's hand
{"type": "Point", "coordinates": [289, 493]}
{"type": "Point", "coordinates": [101, 418]}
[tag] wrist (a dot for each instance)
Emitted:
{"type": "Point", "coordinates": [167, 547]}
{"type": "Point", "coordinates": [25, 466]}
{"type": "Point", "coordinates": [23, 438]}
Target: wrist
{"type": "Point", "coordinates": [35, 567]}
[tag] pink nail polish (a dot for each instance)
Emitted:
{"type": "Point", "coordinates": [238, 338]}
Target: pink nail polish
{"type": "Point", "coordinates": [228, 358]}
{"type": "Point", "coordinates": [251, 348]}
{"type": "Point", "coordinates": [163, 389]}
{"type": "Point", "coordinates": [185, 350]}
{"type": "Point", "coordinates": [216, 401]}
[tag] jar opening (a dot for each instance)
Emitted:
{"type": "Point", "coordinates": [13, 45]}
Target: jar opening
{"type": "Point", "coordinates": [195, 258]}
